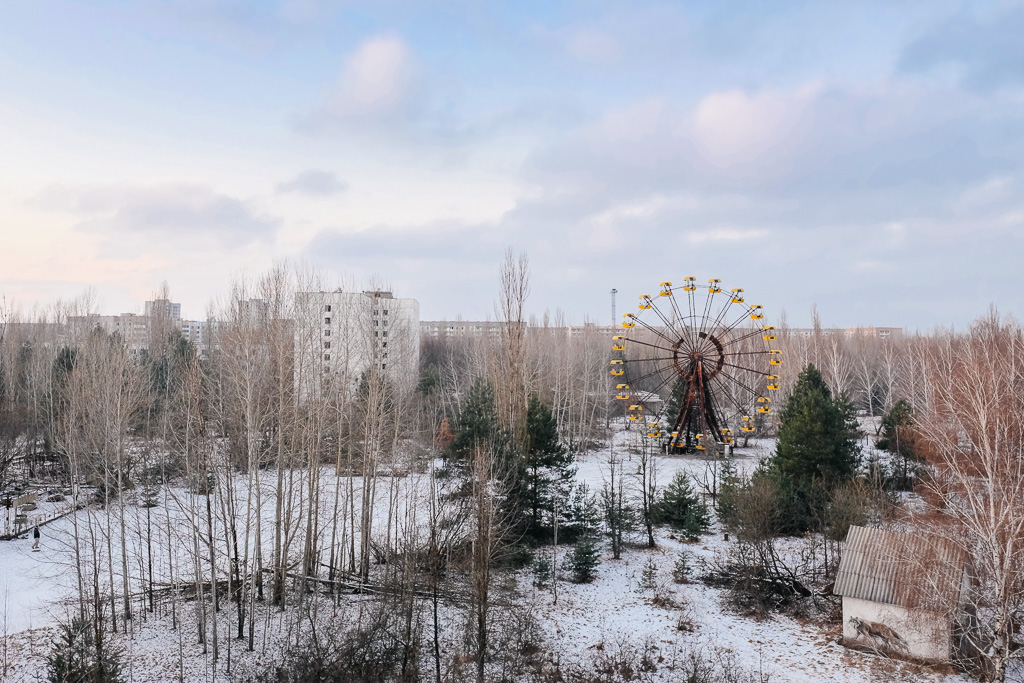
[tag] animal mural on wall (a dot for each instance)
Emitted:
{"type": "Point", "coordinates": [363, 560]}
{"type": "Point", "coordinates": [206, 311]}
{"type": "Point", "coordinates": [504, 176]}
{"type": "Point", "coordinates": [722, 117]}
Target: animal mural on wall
{"type": "Point", "coordinates": [880, 635]}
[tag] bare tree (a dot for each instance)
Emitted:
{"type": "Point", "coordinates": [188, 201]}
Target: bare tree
{"type": "Point", "coordinates": [973, 436]}
{"type": "Point", "coordinates": [510, 381]}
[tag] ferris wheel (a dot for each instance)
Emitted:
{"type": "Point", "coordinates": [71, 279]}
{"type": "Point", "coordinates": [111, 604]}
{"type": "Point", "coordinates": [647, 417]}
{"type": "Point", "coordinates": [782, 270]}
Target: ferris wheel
{"type": "Point", "coordinates": [694, 363]}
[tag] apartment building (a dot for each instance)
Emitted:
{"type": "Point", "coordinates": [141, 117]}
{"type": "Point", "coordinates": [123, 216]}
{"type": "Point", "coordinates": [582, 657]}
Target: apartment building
{"type": "Point", "coordinates": [351, 332]}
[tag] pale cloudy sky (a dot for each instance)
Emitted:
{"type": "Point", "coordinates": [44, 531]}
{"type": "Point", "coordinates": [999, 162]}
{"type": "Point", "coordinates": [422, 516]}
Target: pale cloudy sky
{"type": "Point", "coordinates": [867, 157]}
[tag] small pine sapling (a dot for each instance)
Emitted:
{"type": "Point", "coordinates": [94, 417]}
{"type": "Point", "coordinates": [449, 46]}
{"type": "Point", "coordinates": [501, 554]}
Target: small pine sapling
{"type": "Point", "coordinates": [682, 567]}
{"type": "Point", "coordinates": [582, 562]}
{"type": "Point", "coordinates": [681, 509]}
{"type": "Point", "coordinates": [542, 571]}
{"type": "Point", "coordinates": [648, 577]}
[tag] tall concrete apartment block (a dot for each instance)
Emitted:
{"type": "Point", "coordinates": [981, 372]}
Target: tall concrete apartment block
{"type": "Point", "coordinates": [350, 332]}
{"type": "Point", "coordinates": [163, 308]}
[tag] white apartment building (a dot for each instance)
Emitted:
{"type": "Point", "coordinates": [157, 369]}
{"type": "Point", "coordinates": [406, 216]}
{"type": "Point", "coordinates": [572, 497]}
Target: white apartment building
{"type": "Point", "coordinates": [876, 332]}
{"type": "Point", "coordinates": [163, 307]}
{"type": "Point", "coordinates": [131, 327]}
{"type": "Point", "coordinates": [461, 328]}
{"type": "Point", "coordinates": [350, 332]}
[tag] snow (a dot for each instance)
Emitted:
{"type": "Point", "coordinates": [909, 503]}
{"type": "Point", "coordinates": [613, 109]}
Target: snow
{"type": "Point", "coordinates": [610, 612]}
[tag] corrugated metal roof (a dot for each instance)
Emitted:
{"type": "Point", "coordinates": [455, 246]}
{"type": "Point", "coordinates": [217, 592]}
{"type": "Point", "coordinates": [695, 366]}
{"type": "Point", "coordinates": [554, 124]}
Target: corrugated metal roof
{"type": "Point", "coordinates": [909, 570]}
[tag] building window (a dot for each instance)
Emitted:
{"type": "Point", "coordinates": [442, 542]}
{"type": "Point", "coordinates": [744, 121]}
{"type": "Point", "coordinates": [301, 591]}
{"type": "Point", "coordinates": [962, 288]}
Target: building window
{"type": "Point", "coordinates": [328, 308]}
{"type": "Point", "coordinates": [327, 356]}
{"type": "Point", "coordinates": [327, 320]}
{"type": "Point", "coordinates": [385, 311]}
{"type": "Point", "coordinates": [327, 333]}
{"type": "Point", "coordinates": [385, 345]}
{"type": "Point", "coordinates": [327, 345]}
{"type": "Point", "coordinates": [385, 333]}
{"type": "Point", "coordinates": [376, 334]}
{"type": "Point", "coordinates": [383, 366]}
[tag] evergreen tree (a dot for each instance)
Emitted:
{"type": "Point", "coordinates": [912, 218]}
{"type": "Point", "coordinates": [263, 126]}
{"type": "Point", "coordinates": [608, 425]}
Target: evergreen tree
{"type": "Point", "coordinates": [817, 434]}
{"type": "Point", "coordinates": [477, 426]}
{"type": "Point", "coordinates": [728, 488]}
{"type": "Point", "coordinates": [897, 439]}
{"type": "Point", "coordinates": [681, 509]}
{"type": "Point", "coordinates": [682, 567]}
{"type": "Point", "coordinates": [77, 656]}
{"type": "Point", "coordinates": [542, 571]}
{"type": "Point", "coordinates": [581, 515]}
{"type": "Point", "coordinates": [817, 450]}
{"type": "Point", "coordinates": [582, 562]}
{"type": "Point", "coordinates": [548, 467]}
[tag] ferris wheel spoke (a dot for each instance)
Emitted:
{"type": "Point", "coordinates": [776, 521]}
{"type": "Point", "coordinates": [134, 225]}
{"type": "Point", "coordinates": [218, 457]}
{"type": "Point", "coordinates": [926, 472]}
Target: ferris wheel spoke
{"type": "Point", "coordinates": [739, 384]}
{"type": "Point", "coordinates": [643, 343]}
{"type": "Point", "coordinates": [740, 367]}
{"type": "Point", "coordinates": [743, 316]}
{"type": "Point", "coordinates": [649, 360]}
{"type": "Point", "coordinates": [654, 330]}
{"type": "Point", "coordinates": [659, 388]}
{"type": "Point", "coordinates": [634, 380]}
{"type": "Point", "coordinates": [678, 314]}
{"type": "Point", "coordinates": [665, 320]}
{"type": "Point", "coordinates": [736, 404]}
{"type": "Point", "coordinates": [749, 353]}
{"type": "Point", "coordinates": [707, 310]}
{"type": "Point", "coordinates": [721, 314]}
{"type": "Point", "coordinates": [744, 337]}
{"type": "Point", "coordinates": [685, 323]}
{"type": "Point", "coordinates": [693, 315]}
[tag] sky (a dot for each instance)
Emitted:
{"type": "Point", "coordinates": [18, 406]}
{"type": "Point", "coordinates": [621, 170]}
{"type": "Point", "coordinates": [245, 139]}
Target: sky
{"type": "Point", "coordinates": [865, 158]}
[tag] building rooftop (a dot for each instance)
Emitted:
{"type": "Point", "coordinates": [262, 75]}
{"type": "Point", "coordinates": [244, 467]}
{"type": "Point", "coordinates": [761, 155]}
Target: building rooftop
{"type": "Point", "coordinates": [916, 571]}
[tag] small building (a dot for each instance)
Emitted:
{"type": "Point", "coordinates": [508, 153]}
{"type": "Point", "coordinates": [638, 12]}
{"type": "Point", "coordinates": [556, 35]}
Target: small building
{"type": "Point", "coordinates": [903, 594]}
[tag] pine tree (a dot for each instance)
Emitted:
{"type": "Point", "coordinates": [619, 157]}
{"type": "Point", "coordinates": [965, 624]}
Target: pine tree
{"type": "Point", "coordinates": [476, 426]}
{"type": "Point", "coordinates": [582, 562]}
{"type": "Point", "coordinates": [681, 509]}
{"type": "Point", "coordinates": [548, 465]}
{"type": "Point", "coordinates": [76, 657]}
{"type": "Point", "coordinates": [581, 516]}
{"type": "Point", "coordinates": [541, 571]}
{"type": "Point", "coordinates": [897, 439]}
{"type": "Point", "coordinates": [731, 483]}
{"type": "Point", "coordinates": [682, 567]}
{"type": "Point", "coordinates": [817, 450]}
{"type": "Point", "coordinates": [817, 434]}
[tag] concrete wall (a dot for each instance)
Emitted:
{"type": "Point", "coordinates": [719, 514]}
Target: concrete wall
{"type": "Point", "coordinates": [921, 635]}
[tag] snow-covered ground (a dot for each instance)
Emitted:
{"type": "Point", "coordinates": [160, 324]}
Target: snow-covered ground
{"type": "Point", "coordinates": [612, 612]}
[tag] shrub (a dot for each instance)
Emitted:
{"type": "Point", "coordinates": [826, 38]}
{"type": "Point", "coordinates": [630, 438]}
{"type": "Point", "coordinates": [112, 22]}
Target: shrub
{"type": "Point", "coordinates": [681, 509]}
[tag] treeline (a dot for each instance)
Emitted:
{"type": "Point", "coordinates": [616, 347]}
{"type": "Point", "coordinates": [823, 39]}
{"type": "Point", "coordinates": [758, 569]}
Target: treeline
{"type": "Point", "coordinates": [251, 478]}
{"type": "Point", "coordinates": [378, 513]}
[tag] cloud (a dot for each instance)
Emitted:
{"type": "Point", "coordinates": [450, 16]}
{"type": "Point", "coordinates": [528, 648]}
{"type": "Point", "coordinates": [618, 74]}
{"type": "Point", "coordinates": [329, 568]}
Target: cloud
{"type": "Point", "coordinates": [381, 87]}
{"type": "Point", "coordinates": [313, 183]}
{"type": "Point", "coordinates": [984, 53]}
{"type": "Point", "coordinates": [130, 217]}
{"type": "Point", "coordinates": [734, 128]}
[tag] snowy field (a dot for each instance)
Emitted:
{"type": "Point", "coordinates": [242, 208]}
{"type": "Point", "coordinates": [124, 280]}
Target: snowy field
{"type": "Point", "coordinates": [611, 614]}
